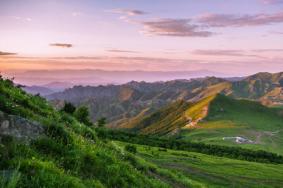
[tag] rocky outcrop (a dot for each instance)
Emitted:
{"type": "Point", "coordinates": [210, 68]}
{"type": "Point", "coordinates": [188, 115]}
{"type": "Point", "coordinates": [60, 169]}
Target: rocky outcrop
{"type": "Point", "coordinates": [19, 128]}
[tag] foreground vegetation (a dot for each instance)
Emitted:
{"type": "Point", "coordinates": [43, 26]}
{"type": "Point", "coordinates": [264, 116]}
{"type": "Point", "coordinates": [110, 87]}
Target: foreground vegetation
{"type": "Point", "coordinates": [67, 155]}
{"type": "Point", "coordinates": [72, 154]}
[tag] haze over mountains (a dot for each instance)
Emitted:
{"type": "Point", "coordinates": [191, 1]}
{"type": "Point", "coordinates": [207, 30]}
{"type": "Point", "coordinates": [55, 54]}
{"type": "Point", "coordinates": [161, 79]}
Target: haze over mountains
{"type": "Point", "coordinates": [207, 109]}
{"type": "Point", "coordinates": [102, 77]}
{"type": "Point", "coordinates": [119, 102]}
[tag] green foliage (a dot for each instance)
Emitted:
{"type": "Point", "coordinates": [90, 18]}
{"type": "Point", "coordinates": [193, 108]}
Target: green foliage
{"type": "Point", "coordinates": [101, 122]}
{"type": "Point", "coordinates": [82, 115]}
{"type": "Point", "coordinates": [230, 152]}
{"type": "Point", "coordinates": [68, 154]}
{"type": "Point", "coordinates": [58, 133]}
{"type": "Point", "coordinates": [131, 148]}
{"type": "Point", "coordinates": [190, 169]}
{"type": "Point", "coordinates": [69, 108]}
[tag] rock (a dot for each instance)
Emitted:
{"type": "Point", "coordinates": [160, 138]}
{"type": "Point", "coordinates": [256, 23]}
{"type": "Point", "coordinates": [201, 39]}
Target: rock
{"type": "Point", "coordinates": [19, 128]}
{"type": "Point", "coordinates": [5, 124]}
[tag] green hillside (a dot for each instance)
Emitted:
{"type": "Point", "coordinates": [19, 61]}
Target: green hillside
{"type": "Point", "coordinates": [164, 121]}
{"type": "Point", "coordinates": [214, 118]}
{"type": "Point", "coordinates": [206, 171]}
{"type": "Point", "coordinates": [67, 154]}
{"type": "Point", "coordinates": [227, 117]}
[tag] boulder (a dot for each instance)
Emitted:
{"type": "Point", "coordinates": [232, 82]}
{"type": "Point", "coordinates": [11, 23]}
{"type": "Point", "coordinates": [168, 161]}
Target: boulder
{"type": "Point", "coordinates": [19, 128]}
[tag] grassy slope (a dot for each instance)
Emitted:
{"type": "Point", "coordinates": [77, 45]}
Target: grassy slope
{"type": "Point", "coordinates": [210, 171]}
{"type": "Point", "coordinates": [161, 122]}
{"type": "Point", "coordinates": [229, 117]}
{"type": "Point", "coordinates": [221, 117]}
{"type": "Point", "coordinates": [70, 155]}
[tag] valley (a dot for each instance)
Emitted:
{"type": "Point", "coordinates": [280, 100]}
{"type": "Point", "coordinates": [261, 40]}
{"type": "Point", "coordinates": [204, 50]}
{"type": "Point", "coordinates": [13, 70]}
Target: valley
{"type": "Point", "coordinates": [207, 110]}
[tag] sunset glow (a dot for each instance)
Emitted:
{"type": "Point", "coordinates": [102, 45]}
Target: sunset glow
{"type": "Point", "coordinates": [224, 36]}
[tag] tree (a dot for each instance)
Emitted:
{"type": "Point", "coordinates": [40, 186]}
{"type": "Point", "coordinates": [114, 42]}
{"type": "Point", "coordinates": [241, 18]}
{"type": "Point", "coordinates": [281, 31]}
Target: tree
{"type": "Point", "coordinates": [69, 108]}
{"type": "Point", "coordinates": [82, 115]}
{"type": "Point", "coordinates": [101, 122]}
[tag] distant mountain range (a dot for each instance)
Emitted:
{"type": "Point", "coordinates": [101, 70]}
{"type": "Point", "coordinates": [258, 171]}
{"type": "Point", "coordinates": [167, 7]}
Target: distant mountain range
{"type": "Point", "coordinates": [120, 102]}
{"type": "Point", "coordinates": [212, 110]}
{"type": "Point", "coordinates": [48, 89]}
{"type": "Point", "coordinates": [104, 77]}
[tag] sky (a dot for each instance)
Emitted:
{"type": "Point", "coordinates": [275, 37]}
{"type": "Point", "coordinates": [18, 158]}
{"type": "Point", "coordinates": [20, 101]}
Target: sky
{"type": "Point", "coordinates": [236, 37]}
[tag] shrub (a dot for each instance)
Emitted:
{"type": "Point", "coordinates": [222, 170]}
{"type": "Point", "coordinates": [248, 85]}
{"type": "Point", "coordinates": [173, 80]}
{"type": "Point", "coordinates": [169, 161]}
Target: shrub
{"type": "Point", "coordinates": [59, 133]}
{"type": "Point", "coordinates": [162, 149]}
{"type": "Point", "coordinates": [69, 108]}
{"type": "Point", "coordinates": [7, 150]}
{"type": "Point", "coordinates": [101, 122]}
{"type": "Point", "coordinates": [131, 148]}
{"type": "Point", "coordinates": [82, 115]}
{"type": "Point", "coordinates": [49, 146]}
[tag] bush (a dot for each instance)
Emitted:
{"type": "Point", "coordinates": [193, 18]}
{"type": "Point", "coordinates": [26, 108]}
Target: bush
{"type": "Point", "coordinates": [82, 115]}
{"type": "Point", "coordinates": [101, 122]}
{"type": "Point", "coordinates": [49, 146]}
{"type": "Point", "coordinates": [69, 108]}
{"type": "Point", "coordinates": [131, 148]}
{"type": "Point", "coordinates": [59, 134]}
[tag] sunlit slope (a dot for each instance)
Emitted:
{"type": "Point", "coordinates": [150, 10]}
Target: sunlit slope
{"type": "Point", "coordinates": [215, 117]}
{"type": "Point", "coordinates": [227, 117]}
{"type": "Point", "coordinates": [164, 121]}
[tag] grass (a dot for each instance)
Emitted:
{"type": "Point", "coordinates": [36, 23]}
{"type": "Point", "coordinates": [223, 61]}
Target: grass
{"type": "Point", "coordinates": [210, 171]}
{"type": "Point", "coordinates": [68, 155]}
{"type": "Point", "coordinates": [229, 117]}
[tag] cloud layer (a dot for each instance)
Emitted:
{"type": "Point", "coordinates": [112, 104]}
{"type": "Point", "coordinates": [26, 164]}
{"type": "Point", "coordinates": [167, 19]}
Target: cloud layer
{"type": "Point", "coordinates": [62, 45]}
{"type": "Point", "coordinates": [7, 53]}
{"type": "Point", "coordinates": [121, 51]}
{"type": "Point", "coordinates": [174, 27]}
{"type": "Point", "coordinates": [128, 12]}
{"type": "Point", "coordinates": [230, 20]}
{"type": "Point", "coordinates": [230, 53]}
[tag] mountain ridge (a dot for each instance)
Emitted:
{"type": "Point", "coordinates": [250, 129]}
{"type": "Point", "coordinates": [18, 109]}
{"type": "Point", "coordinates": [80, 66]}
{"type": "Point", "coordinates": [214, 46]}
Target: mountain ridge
{"type": "Point", "coordinates": [119, 102]}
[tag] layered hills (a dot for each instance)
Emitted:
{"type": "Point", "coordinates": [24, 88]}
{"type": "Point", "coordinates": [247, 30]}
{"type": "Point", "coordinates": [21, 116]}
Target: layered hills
{"type": "Point", "coordinates": [120, 102]}
{"type": "Point", "coordinates": [44, 147]}
{"type": "Point", "coordinates": [211, 110]}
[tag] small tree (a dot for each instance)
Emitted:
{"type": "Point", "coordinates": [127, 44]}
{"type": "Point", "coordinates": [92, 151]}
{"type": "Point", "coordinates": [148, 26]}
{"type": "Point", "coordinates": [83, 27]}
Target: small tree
{"type": "Point", "coordinates": [101, 122]}
{"type": "Point", "coordinates": [82, 115]}
{"type": "Point", "coordinates": [69, 108]}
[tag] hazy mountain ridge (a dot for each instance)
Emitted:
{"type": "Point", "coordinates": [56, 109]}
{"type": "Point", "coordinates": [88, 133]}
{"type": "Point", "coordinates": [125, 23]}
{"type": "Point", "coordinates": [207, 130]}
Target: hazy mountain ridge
{"type": "Point", "coordinates": [120, 102]}
{"type": "Point", "coordinates": [95, 77]}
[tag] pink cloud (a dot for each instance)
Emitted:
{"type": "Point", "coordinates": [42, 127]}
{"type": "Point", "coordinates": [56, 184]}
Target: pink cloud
{"type": "Point", "coordinates": [7, 53]}
{"type": "Point", "coordinates": [231, 53]}
{"type": "Point", "coordinates": [174, 27]}
{"type": "Point", "coordinates": [230, 20]}
{"type": "Point", "coordinates": [128, 12]}
{"type": "Point", "coordinates": [62, 45]}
